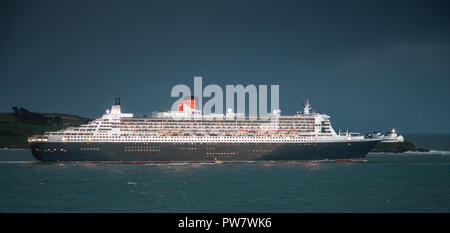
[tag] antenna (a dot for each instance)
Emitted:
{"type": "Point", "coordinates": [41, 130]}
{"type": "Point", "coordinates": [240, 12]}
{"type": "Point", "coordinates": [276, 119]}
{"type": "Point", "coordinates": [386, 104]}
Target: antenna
{"type": "Point", "coordinates": [306, 108]}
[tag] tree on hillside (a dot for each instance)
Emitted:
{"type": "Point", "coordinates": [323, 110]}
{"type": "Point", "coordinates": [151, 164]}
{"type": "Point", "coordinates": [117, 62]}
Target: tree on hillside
{"type": "Point", "coordinates": [57, 121]}
{"type": "Point", "coordinates": [24, 116]}
{"type": "Point", "coordinates": [14, 108]}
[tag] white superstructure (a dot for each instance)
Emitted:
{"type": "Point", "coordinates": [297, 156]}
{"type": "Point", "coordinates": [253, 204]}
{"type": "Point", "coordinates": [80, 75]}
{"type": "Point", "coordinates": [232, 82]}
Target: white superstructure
{"type": "Point", "coordinates": [393, 137]}
{"type": "Point", "coordinates": [189, 126]}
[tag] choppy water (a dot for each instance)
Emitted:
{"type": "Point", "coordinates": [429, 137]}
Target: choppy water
{"type": "Point", "coordinates": [409, 182]}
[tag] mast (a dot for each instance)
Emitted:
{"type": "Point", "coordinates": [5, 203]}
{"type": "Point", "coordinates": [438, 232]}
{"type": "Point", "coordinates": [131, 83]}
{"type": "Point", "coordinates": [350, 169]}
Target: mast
{"type": "Point", "coordinates": [307, 108]}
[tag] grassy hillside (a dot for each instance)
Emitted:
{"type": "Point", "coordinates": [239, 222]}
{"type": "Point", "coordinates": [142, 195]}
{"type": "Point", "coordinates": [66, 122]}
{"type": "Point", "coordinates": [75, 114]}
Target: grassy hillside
{"type": "Point", "coordinates": [15, 128]}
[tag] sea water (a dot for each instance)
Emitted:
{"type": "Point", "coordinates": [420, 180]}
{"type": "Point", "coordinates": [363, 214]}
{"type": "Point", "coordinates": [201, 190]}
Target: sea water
{"type": "Point", "coordinates": [386, 182]}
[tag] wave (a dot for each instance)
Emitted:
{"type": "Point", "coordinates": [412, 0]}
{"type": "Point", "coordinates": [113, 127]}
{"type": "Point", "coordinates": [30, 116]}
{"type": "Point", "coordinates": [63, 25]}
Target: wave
{"type": "Point", "coordinates": [19, 162]}
{"type": "Point", "coordinates": [5, 148]}
{"type": "Point", "coordinates": [431, 152]}
{"type": "Point", "coordinates": [165, 164]}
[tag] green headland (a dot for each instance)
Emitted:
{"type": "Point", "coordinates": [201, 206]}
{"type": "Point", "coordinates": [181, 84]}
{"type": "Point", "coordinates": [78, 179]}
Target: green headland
{"type": "Point", "coordinates": [18, 125]}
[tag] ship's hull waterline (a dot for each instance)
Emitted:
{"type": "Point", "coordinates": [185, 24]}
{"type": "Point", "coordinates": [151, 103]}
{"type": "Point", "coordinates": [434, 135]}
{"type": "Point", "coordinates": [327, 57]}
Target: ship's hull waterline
{"type": "Point", "coordinates": [199, 152]}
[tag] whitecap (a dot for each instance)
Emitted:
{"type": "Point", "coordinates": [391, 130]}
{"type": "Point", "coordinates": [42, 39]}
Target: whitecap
{"type": "Point", "coordinates": [176, 164]}
{"type": "Point", "coordinates": [431, 152]}
{"type": "Point", "coordinates": [23, 162]}
{"type": "Point", "coordinates": [14, 148]}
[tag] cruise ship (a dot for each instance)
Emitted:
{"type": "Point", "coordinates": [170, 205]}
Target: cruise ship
{"type": "Point", "coordinates": [186, 135]}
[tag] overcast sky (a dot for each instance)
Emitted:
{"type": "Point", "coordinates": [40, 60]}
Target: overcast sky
{"type": "Point", "coordinates": [370, 65]}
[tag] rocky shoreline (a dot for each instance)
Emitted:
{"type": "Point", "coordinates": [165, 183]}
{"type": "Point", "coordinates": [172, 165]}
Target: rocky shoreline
{"type": "Point", "coordinates": [397, 147]}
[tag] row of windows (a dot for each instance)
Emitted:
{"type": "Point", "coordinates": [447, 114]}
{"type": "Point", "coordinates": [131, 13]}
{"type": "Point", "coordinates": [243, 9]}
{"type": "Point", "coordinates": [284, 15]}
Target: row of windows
{"type": "Point", "coordinates": [220, 153]}
{"type": "Point", "coordinates": [89, 148]}
{"type": "Point", "coordinates": [187, 148]}
{"type": "Point", "coordinates": [263, 151]}
{"type": "Point", "coordinates": [217, 128]}
{"type": "Point", "coordinates": [211, 120]}
{"type": "Point", "coordinates": [179, 141]}
{"type": "Point", "coordinates": [142, 150]}
{"type": "Point", "coordinates": [142, 147]}
{"type": "Point", "coordinates": [51, 150]}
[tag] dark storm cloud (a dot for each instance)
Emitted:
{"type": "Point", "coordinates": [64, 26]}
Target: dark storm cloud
{"type": "Point", "coordinates": [368, 64]}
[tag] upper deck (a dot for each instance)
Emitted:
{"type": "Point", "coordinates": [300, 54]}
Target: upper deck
{"type": "Point", "coordinates": [115, 125]}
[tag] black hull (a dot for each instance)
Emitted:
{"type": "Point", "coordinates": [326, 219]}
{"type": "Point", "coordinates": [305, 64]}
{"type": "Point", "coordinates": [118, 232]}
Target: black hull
{"type": "Point", "coordinates": [199, 152]}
